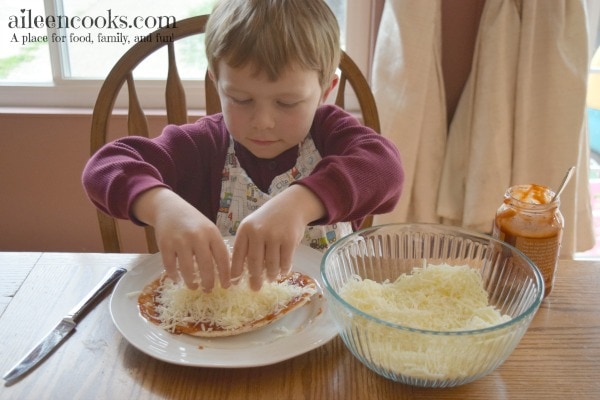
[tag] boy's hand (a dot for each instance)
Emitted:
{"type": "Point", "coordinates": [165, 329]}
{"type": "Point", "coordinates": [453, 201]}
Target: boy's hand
{"type": "Point", "coordinates": [191, 244]}
{"type": "Point", "coordinates": [267, 238]}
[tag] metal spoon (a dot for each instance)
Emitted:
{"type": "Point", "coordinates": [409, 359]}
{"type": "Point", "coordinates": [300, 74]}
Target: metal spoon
{"type": "Point", "coordinates": [563, 183]}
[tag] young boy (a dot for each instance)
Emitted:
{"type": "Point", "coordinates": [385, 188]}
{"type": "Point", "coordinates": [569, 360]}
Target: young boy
{"type": "Point", "coordinates": [276, 168]}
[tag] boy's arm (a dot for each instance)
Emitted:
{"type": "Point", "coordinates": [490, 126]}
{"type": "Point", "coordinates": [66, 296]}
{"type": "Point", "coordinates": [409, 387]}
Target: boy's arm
{"type": "Point", "coordinates": [170, 183]}
{"type": "Point", "coordinates": [183, 159]}
{"type": "Point", "coordinates": [360, 172]}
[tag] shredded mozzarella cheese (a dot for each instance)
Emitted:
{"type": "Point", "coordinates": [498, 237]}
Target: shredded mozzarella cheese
{"type": "Point", "coordinates": [132, 295]}
{"type": "Point", "coordinates": [436, 298]}
{"type": "Point", "coordinates": [229, 308]}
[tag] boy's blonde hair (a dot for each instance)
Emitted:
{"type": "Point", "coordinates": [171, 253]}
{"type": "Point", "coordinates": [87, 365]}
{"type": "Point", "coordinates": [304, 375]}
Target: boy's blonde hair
{"type": "Point", "coordinates": [270, 35]}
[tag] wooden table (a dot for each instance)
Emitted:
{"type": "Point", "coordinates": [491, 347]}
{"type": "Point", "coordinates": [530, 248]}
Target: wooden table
{"type": "Point", "coordinates": [559, 357]}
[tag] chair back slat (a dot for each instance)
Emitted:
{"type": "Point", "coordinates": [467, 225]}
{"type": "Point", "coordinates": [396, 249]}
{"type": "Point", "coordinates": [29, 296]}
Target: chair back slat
{"type": "Point", "coordinates": [174, 92]}
{"type": "Point", "coordinates": [340, 98]}
{"type": "Point", "coordinates": [359, 84]}
{"type": "Point", "coordinates": [151, 239]}
{"type": "Point", "coordinates": [109, 232]}
{"type": "Point", "coordinates": [137, 123]}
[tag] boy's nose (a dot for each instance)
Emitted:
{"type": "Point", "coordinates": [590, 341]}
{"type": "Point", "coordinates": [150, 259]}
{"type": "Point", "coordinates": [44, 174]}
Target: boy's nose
{"type": "Point", "coordinates": [263, 119]}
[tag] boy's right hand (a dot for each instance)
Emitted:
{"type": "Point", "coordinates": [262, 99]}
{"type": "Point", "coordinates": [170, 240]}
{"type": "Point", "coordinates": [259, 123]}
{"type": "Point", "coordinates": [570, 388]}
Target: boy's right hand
{"type": "Point", "coordinates": [186, 238]}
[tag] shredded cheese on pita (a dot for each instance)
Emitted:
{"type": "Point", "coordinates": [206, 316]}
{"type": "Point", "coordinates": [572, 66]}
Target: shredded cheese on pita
{"type": "Point", "coordinates": [228, 309]}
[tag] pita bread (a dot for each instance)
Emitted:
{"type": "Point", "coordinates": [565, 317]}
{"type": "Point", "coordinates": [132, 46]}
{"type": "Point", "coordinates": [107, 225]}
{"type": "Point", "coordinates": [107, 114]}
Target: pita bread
{"type": "Point", "coordinates": [223, 312]}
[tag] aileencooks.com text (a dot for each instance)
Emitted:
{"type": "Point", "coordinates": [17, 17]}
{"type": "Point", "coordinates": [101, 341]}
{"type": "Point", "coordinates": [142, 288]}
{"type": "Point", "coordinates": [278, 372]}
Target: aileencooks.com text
{"type": "Point", "coordinates": [27, 19]}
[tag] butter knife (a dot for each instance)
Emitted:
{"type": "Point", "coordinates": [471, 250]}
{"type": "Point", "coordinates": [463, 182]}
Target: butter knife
{"type": "Point", "coordinates": [64, 328]}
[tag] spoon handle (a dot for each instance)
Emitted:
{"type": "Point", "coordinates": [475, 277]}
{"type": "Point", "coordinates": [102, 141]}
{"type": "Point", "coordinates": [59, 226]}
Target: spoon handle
{"type": "Point", "coordinates": [564, 182]}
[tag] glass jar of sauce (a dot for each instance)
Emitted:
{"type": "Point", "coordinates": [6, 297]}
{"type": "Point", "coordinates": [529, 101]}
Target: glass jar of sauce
{"type": "Point", "coordinates": [529, 220]}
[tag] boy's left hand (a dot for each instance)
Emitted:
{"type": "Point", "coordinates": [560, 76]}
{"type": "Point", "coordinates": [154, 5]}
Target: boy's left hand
{"type": "Point", "coordinates": [267, 238]}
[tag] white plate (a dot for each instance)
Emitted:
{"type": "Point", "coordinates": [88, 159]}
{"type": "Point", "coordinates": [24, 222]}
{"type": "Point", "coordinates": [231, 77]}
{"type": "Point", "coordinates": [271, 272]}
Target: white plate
{"type": "Point", "coordinates": [298, 332]}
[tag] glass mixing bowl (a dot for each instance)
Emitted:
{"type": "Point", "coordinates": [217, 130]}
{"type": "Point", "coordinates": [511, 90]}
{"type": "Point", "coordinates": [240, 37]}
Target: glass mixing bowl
{"type": "Point", "coordinates": [421, 357]}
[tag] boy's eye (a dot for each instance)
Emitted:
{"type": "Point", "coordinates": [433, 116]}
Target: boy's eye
{"type": "Point", "coordinates": [240, 101]}
{"type": "Point", "coordinates": [287, 104]}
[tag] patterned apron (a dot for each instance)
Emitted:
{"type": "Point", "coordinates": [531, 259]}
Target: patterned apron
{"type": "Point", "coordinates": [240, 196]}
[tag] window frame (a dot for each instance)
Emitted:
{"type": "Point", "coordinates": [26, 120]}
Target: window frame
{"type": "Point", "coordinates": [81, 93]}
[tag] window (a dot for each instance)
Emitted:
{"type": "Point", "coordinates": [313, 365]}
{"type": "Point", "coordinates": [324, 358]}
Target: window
{"type": "Point", "coordinates": [57, 52]}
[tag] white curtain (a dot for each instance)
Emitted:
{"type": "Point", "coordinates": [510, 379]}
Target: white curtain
{"type": "Point", "coordinates": [520, 118]}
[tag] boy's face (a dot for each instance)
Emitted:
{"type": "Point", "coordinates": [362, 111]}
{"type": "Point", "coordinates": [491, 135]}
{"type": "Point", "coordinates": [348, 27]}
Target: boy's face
{"type": "Point", "coordinates": [269, 117]}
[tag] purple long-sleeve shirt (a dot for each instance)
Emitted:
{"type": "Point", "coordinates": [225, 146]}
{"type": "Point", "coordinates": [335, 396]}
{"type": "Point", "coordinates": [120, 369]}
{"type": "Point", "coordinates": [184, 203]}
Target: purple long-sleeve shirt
{"type": "Point", "coordinates": [360, 172]}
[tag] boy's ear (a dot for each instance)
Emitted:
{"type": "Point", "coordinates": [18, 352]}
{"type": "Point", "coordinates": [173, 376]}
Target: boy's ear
{"type": "Point", "coordinates": [211, 75]}
{"type": "Point", "coordinates": [329, 89]}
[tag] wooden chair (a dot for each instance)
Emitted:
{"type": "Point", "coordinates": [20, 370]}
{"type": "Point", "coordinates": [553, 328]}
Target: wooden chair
{"type": "Point", "coordinates": [176, 108]}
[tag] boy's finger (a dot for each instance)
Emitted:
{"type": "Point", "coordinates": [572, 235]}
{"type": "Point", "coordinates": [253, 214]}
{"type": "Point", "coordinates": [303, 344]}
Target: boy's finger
{"type": "Point", "coordinates": [285, 262]}
{"type": "Point", "coordinates": [222, 259]}
{"type": "Point", "coordinates": [255, 262]}
{"type": "Point", "coordinates": [272, 262]}
{"type": "Point", "coordinates": [206, 269]}
{"type": "Point", "coordinates": [170, 264]}
{"type": "Point", "coordinates": [187, 269]}
{"type": "Point", "coordinates": [256, 281]}
{"type": "Point", "coordinates": [238, 256]}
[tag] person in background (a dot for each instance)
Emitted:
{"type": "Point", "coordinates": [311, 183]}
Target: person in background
{"type": "Point", "coordinates": [278, 167]}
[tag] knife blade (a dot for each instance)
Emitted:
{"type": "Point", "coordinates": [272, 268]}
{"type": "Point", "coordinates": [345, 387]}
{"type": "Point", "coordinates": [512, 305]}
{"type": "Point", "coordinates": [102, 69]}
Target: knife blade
{"type": "Point", "coordinates": [63, 329]}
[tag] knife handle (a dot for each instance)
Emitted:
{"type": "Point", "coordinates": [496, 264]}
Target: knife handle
{"type": "Point", "coordinates": [81, 308]}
